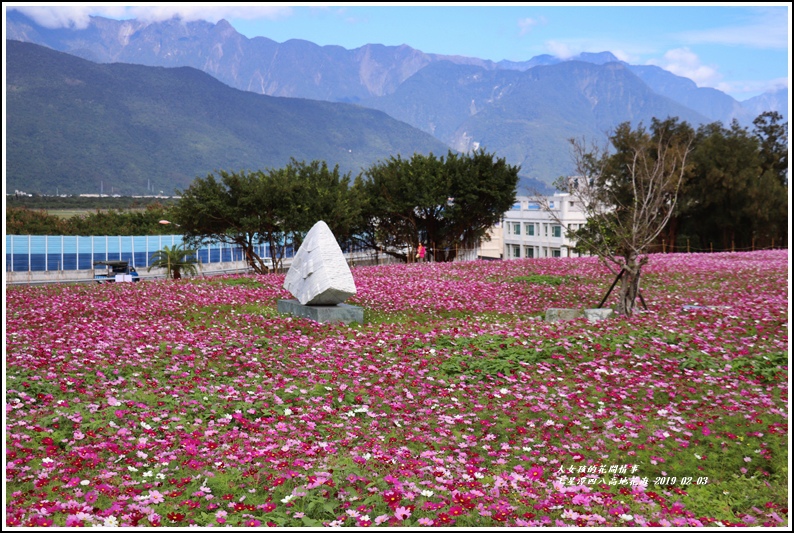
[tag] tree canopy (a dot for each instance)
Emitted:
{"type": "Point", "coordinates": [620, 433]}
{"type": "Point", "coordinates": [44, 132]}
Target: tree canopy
{"type": "Point", "coordinates": [276, 207]}
{"type": "Point", "coordinates": [735, 193]}
{"type": "Point", "coordinates": [628, 195]}
{"type": "Point", "coordinates": [447, 203]}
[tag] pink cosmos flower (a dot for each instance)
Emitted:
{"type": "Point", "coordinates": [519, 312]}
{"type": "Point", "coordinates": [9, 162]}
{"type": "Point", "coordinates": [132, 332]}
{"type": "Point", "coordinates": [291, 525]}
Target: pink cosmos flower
{"type": "Point", "coordinates": [401, 513]}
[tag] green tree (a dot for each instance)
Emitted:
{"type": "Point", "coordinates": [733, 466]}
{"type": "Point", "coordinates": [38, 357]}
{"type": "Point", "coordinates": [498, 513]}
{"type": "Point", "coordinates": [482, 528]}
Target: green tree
{"type": "Point", "coordinates": [628, 195]}
{"type": "Point", "coordinates": [773, 136]}
{"type": "Point", "coordinates": [769, 207]}
{"type": "Point", "coordinates": [24, 221]}
{"type": "Point", "coordinates": [276, 207]}
{"type": "Point", "coordinates": [176, 260]}
{"type": "Point", "coordinates": [318, 193]}
{"type": "Point", "coordinates": [734, 196]}
{"type": "Point", "coordinates": [448, 203]}
{"type": "Point", "coordinates": [117, 222]}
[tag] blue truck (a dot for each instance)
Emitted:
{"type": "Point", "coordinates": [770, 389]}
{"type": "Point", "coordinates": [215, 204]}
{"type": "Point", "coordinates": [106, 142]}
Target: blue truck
{"type": "Point", "coordinates": [112, 271]}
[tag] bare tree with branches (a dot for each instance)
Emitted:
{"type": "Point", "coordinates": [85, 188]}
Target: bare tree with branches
{"type": "Point", "coordinates": [628, 196]}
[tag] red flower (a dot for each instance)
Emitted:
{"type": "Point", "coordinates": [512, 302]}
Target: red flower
{"type": "Point", "coordinates": [392, 497]}
{"type": "Point", "coordinates": [443, 518]}
{"type": "Point", "coordinates": [175, 517]}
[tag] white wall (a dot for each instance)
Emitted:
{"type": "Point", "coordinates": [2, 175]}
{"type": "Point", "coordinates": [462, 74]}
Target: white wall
{"type": "Point", "coordinates": [545, 242]}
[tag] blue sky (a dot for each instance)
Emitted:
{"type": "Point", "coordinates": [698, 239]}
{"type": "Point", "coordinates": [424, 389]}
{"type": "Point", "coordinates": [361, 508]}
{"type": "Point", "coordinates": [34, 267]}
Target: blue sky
{"type": "Point", "coordinates": [742, 50]}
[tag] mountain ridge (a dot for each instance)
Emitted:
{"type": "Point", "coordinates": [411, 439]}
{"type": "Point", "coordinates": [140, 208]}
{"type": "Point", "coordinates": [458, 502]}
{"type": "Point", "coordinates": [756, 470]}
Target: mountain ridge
{"type": "Point", "coordinates": [459, 100]}
{"type": "Point", "coordinates": [71, 120]}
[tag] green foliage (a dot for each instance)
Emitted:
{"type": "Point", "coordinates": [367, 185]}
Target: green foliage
{"type": "Point", "coordinates": [542, 279]}
{"type": "Point", "coordinates": [25, 221]}
{"type": "Point", "coordinates": [726, 500]}
{"type": "Point", "coordinates": [491, 355]}
{"type": "Point", "coordinates": [274, 207]}
{"type": "Point", "coordinates": [176, 260]}
{"type": "Point", "coordinates": [22, 221]}
{"type": "Point", "coordinates": [445, 203]}
{"type": "Point", "coordinates": [75, 126]}
{"type": "Point", "coordinates": [238, 281]}
{"type": "Point", "coordinates": [735, 195]}
{"type": "Point", "coordinates": [628, 195]}
{"type": "Point", "coordinates": [86, 203]}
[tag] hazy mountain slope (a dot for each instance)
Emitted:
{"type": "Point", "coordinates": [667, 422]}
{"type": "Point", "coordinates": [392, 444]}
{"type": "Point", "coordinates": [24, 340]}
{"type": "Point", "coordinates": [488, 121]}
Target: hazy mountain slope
{"type": "Point", "coordinates": [441, 95]}
{"type": "Point", "coordinates": [294, 68]}
{"type": "Point", "coordinates": [79, 126]}
{"type": "Point", "coordinates": [527, 117]}
{"type": "Point", "coordinates": [769, 101]}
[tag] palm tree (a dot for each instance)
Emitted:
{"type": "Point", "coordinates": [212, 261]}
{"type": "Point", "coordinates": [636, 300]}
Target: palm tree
{"type": "Point", "coordinates": [176, 260]}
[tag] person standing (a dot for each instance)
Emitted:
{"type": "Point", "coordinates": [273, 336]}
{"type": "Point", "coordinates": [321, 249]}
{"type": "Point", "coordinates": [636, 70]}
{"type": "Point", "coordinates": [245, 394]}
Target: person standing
{"type": "Point", "coordinates": [420, 253]}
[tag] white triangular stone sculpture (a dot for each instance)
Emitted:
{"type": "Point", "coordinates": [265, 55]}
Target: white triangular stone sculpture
{"type": "Point", "coordinates": [319, 274]}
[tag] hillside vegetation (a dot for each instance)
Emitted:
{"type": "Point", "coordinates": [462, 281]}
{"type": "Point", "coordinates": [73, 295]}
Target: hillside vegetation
{"type": "Point", "coordinates": [76, 126]}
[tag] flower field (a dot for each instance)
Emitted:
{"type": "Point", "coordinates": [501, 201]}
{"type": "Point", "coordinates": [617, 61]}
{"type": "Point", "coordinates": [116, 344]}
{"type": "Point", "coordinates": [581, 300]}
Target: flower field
{"type": "Point", "coordinates": [192, 402]}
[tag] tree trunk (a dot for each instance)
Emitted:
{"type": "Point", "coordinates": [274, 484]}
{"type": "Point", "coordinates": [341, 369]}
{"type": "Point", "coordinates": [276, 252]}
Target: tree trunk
{"type": "Point", "coordinates": [630, 285]}
{"type": "Point", "coordinates": [672, 233]}
{"type": "Point", "coordinates": [254, 261]}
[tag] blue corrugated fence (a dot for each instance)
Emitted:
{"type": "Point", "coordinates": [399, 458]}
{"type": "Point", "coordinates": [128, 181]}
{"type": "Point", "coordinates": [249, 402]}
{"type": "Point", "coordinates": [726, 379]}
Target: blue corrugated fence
{"type": "Point", "coordinates": [40, 253]}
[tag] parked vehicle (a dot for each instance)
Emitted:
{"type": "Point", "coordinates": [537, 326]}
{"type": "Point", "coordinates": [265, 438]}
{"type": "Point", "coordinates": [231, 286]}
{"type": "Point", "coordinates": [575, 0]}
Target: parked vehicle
{"type": "Point", "coordinates": [112, 271]}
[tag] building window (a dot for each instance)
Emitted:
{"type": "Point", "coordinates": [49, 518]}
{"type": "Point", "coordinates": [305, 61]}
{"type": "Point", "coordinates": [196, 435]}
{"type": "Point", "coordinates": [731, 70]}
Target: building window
{"type": "Point", "coordinates": [529, 228]}
{"type": "Point", "coordinates": [529, 252]}
{"type": "Point", "coordinates": [556, 230]}
{"type": "Point", "coordinates": [545, 230]}
{"type": "Point", "coordinates": [516, 251]}
{"type": "Point", "coordinates": [551, 205]}
{"type": "Point", "coordinates": [533, 206]}
{"type": "Point", "coordinates": [516, 228]}
{"type": "Point", "coordinates": [517, 206]}
{"type": "Point", "coordinates": [555, 252]}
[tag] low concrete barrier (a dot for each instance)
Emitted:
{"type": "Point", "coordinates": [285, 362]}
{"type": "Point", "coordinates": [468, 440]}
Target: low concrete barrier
{"type": "Point", "coordinates": [592, 315]}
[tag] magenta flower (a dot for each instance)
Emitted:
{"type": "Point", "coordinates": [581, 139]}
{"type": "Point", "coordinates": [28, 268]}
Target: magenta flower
{"type": "Point", "coordinates": [401, 513]}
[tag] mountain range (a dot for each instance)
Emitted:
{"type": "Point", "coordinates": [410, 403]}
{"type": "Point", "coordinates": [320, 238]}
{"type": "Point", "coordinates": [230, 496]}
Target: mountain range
{"type": "Point", "coordinates": [74, 126]}
{"type": "Point", "coordinates": [523, 111]}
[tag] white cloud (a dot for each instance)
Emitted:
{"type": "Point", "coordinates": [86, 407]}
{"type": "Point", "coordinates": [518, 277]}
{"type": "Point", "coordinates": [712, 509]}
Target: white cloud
{"type": "Point", "coordinates": [752, 87]}
{"type": "Point", "coordinates": [77, 17]}
{"type": "Point", "coordinates": [526, 25]}
{"type": "Point", "coordinates": [683, 62]}
{"type": "Point", "coordinates": [573, 47]}
{"type": "Point", "coordinates": [624, 56]}
{"type": "Point", "coordinates": [561, 50]}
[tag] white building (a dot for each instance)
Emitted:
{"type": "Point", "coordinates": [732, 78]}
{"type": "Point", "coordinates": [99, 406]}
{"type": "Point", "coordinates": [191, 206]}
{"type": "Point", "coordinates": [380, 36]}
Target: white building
{"type": "Point", "coordinates": [532, 231]}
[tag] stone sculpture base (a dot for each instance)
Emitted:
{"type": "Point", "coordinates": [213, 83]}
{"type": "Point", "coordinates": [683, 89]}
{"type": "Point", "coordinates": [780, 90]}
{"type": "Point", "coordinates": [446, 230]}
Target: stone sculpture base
{"type": "Point", "coordinates": [323, 313]}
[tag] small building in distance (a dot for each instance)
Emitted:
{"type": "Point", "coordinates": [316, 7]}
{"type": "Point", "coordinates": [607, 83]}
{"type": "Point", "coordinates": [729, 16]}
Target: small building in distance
{"type": "Point", "coordinates": [532, 231]}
